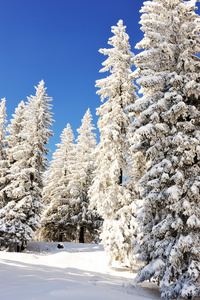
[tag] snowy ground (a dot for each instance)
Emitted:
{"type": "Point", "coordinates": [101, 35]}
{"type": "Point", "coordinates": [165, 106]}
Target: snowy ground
{"type": "Point", "coordinates": [79, 271]}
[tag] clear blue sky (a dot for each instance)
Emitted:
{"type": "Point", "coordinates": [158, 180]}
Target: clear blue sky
{"type": "Point", "coordinates": [58, 41]}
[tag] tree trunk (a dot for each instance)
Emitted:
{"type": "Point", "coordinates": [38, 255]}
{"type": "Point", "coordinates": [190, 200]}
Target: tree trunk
{"type": "Point", "coordinates": [60, 238]}
{"type": "Point", "coordinates": [81, 236]}
{"type": "Point", "coordinates": [121, 177]}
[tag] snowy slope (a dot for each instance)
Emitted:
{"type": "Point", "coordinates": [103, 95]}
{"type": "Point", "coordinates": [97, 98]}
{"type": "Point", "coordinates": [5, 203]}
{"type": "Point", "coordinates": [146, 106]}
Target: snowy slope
{"type": "Point", "coordinates": [78, 271]}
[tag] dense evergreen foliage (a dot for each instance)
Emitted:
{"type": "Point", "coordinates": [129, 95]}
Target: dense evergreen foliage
{"type": "Point", "coordinates": [109, 192]}
{"type": "Point", "coordinates": [166, 129]}
{"type": "Point", "coordinates": [55, 226]}
{"type": "Point", "coordinates": [25, 160]}
{"type": "Point", "coordinates": [68, 217]}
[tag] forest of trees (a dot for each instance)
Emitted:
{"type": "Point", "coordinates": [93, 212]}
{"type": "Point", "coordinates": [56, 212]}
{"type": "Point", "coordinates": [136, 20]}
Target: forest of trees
{"type": "Point", "coordinates": [138, 190]}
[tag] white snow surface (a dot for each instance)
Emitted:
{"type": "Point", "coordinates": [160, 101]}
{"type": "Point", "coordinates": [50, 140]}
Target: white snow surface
{"type": "Point", "coordinates": [78, 271]}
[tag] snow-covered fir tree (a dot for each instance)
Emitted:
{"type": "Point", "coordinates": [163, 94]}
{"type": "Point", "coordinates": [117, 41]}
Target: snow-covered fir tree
{"type": "Point", "coordinates": [68, 217]}
{"type": "Point", "coordinates": [108, 191]}
{"type": "Point", "coordinates": [40, 119]}
{"type": "Point", "coordinates": [55, 221]}
{"type": "Point", "coordinates": [3, 161]}
{"type": "Point", "coordinates": [167, 131]}
{"type": "Point", "coordinates": [12, 216]}
{"type": "Point", "coordinates": [59, 164]}
{"type": "Point", "coordinates": [86, 221]}
{"type": "Point", "coordinates": [29, 132]}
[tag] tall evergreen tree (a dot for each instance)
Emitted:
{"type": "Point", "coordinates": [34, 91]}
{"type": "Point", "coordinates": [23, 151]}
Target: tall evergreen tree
{"type": "Point", "coordinates": [13, 218]}
{"type": "Point", "coordinates": [29, 133]}
{"type": "Point", "coordinates": [86, 221]}
{"type": "Point", "coordinates": [40, 118]}
{"type": "Point", "coordinates": [108, 192]}
{"type": "Point", "coordinates": [55, 221]}
{"type": "Point", "coordinates": [167, 131]}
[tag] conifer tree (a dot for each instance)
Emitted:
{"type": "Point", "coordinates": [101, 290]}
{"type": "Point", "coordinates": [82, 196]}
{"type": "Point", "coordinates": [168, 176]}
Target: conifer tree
{"type": "Point", "coordinates": [86, 221]}
{"type": "Point", "coordinates": [12, 216]}
{"type": "Point", "coordinates": [40, 117]}
{"type": "Point", "coordinates": [55, 221]}
{"type": "Point", "coordinates": [108, 191]}
{"type": "Point", "coordinates": [29, 133]}
{"type": "Point", "coordinates": [166, 131]}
